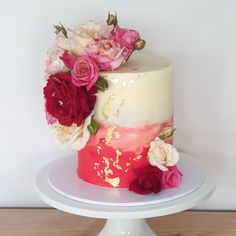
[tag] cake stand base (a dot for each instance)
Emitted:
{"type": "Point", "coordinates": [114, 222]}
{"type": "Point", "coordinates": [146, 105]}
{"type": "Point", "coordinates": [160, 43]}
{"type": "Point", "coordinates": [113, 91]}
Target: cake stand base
{"type": "Point", "coordinates": [125, 211]}
{"type": "Point", "coordinates": [131, 227]}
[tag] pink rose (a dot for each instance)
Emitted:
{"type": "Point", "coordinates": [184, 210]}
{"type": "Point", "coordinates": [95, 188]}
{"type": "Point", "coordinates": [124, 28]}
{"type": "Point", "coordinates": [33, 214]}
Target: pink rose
{"type": "Point", "coordinates": [171, 178]}
{"type": "Point", "coordinates": [125, 37]}
{"type": "Point", "coordinates": [69, 59]}
{"type": "Point", "coordinates": [53, 62]}
{"type": "Point", "coordinates": [85, 72]}
{"type": "Point", "coordinates": [107, 53]}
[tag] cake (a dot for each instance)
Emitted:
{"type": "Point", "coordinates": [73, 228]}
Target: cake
{"type": "Point", "coordinates": [114, 106]}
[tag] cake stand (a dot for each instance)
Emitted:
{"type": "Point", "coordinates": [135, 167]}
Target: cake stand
{"type": "Point", "coordinates": [58, 186]}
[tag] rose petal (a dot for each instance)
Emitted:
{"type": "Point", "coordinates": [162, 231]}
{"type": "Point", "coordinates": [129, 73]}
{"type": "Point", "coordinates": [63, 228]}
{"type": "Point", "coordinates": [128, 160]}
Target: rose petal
{"type": "Point", "coordinates": [68, 59]}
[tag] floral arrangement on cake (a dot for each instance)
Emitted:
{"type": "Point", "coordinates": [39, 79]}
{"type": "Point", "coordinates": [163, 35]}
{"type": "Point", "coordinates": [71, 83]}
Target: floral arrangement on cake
{"type": "Point", "coordinates": [72, 73]}
{"type": "Point", "coordinates": [162, 172]}
{"type": "Point", "coordinates": [73, 67]}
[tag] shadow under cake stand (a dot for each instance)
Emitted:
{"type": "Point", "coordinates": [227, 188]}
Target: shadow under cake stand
{"type": "Point", "coordinates": [59, 186]}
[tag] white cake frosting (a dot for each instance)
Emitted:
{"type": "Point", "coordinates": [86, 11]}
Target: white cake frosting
{"type": "Point", "coordinates": [140, 92]}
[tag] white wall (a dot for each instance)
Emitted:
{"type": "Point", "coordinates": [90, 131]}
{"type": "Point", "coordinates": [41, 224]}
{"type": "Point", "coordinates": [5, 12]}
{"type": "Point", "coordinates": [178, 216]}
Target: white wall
{"type": "Point", "coordinates": [200, 38]}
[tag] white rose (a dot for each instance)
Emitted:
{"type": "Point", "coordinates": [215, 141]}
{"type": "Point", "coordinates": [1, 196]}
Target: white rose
{"type": "Point", "coordinates": [162, 154]}
{"type": "Point", "coordinates": [72, 136]}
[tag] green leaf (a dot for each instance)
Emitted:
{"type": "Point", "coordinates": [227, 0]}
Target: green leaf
{"type": "Point", "coordinates": [101, 84]}
{"type": "Point", "coordinates": [93, 127]}
{"type": "Point", "coordinates": [61, 28]}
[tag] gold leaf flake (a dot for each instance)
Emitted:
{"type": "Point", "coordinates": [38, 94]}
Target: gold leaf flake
{"type": "Point", "coordinates": [107, 172]}
{"type": "Point", "coordinates": [118, 152]}
{"type": "Point", "coordinates": [117, 111]}
{"type": "Point", "coordinates": [113, 181]}
{"type": "Point", "coordinates": [107, 105]}
{"type": "Point", "coordinates": [96, 165]}
{"type": "Point", "coordinates": [137, 158]}
{"type": "Point", "coordinates": [98, 150]}
{"type": "Point", "coordinates": [109, 134]}
{"type": "Point", "coordinates": [107, 169]}
{"type": "Point", "coordinates": [99, 174]}
{"type": "Point", "coordinates": [117, 135]}
{"type": "Point", "coordinates": [116, 162]}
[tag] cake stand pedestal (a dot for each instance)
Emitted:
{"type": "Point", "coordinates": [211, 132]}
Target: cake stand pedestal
{"type": "Point", "coordinates": [125, 211]}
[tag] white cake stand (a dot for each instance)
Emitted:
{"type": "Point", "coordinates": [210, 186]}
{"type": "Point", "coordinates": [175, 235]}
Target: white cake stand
{"type": "Point", "coordinates": [58, 185]}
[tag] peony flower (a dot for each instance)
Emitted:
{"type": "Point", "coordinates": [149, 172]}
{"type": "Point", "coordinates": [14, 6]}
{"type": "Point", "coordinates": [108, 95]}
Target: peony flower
{"type": "Point", "coordinates": [107, 53]}
{"type": "Point", "coordinates": [85, 72]}
{"type": "Point", "coordinates": [125, 37]}
{"type": "Point", "coordinates": [93, 30]}
{"type": "Point", "coordinates": [72, 136]}
{"type": "Point", "coordinates": [171, 178]}
{"type": "Point", "coordinates": [147, 181]}
{"type": "Point", "coordinates": [53, 62]}
{"type": "Point", "coordinates": [74, 43]}
{"type": "Point", "coordinates": [83, 35]}
{"type": "Point", "coordinates": [162, 155]}
{"type": "Point", "coordinates": [67, 103]}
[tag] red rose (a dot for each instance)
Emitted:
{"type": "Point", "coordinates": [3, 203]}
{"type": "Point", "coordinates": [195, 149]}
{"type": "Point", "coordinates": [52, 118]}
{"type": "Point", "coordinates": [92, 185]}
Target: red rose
{"type": "Point", "coordinates": [66, 102]}
{"type": "Point", "coordinates": [147, 181]}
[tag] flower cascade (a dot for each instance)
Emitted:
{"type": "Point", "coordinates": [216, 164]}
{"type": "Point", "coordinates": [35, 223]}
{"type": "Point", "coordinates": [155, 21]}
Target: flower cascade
{"type": "Point", "coordinates": [73, 66]}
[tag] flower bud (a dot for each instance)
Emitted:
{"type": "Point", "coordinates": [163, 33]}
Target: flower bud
{"type": "Point", "coordinates": [166, 132]}
{"type": "Point", "coordinates": [60, 28]}
{"type": "Point", "coordinates": [93, 127]}
{"type": "Point", "coordinates": [112, 19]}
{"type": "Point", "coordinates": [139, 44]}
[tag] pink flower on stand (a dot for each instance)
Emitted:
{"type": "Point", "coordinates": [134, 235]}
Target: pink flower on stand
{"type": "Point", "coordinates": [151, 179]}
{"type": "Point", "coordinates": [171, 178]}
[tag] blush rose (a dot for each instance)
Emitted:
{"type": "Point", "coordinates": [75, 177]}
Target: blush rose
{"type": "Point", "coordinates": [85, 72]}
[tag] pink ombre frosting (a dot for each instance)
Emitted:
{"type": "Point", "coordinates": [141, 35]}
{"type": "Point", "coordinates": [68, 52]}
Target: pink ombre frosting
{"type": "Point", "coordinates": [124, 137]}
{"type": "Point", "coordinates": [110, 156]}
